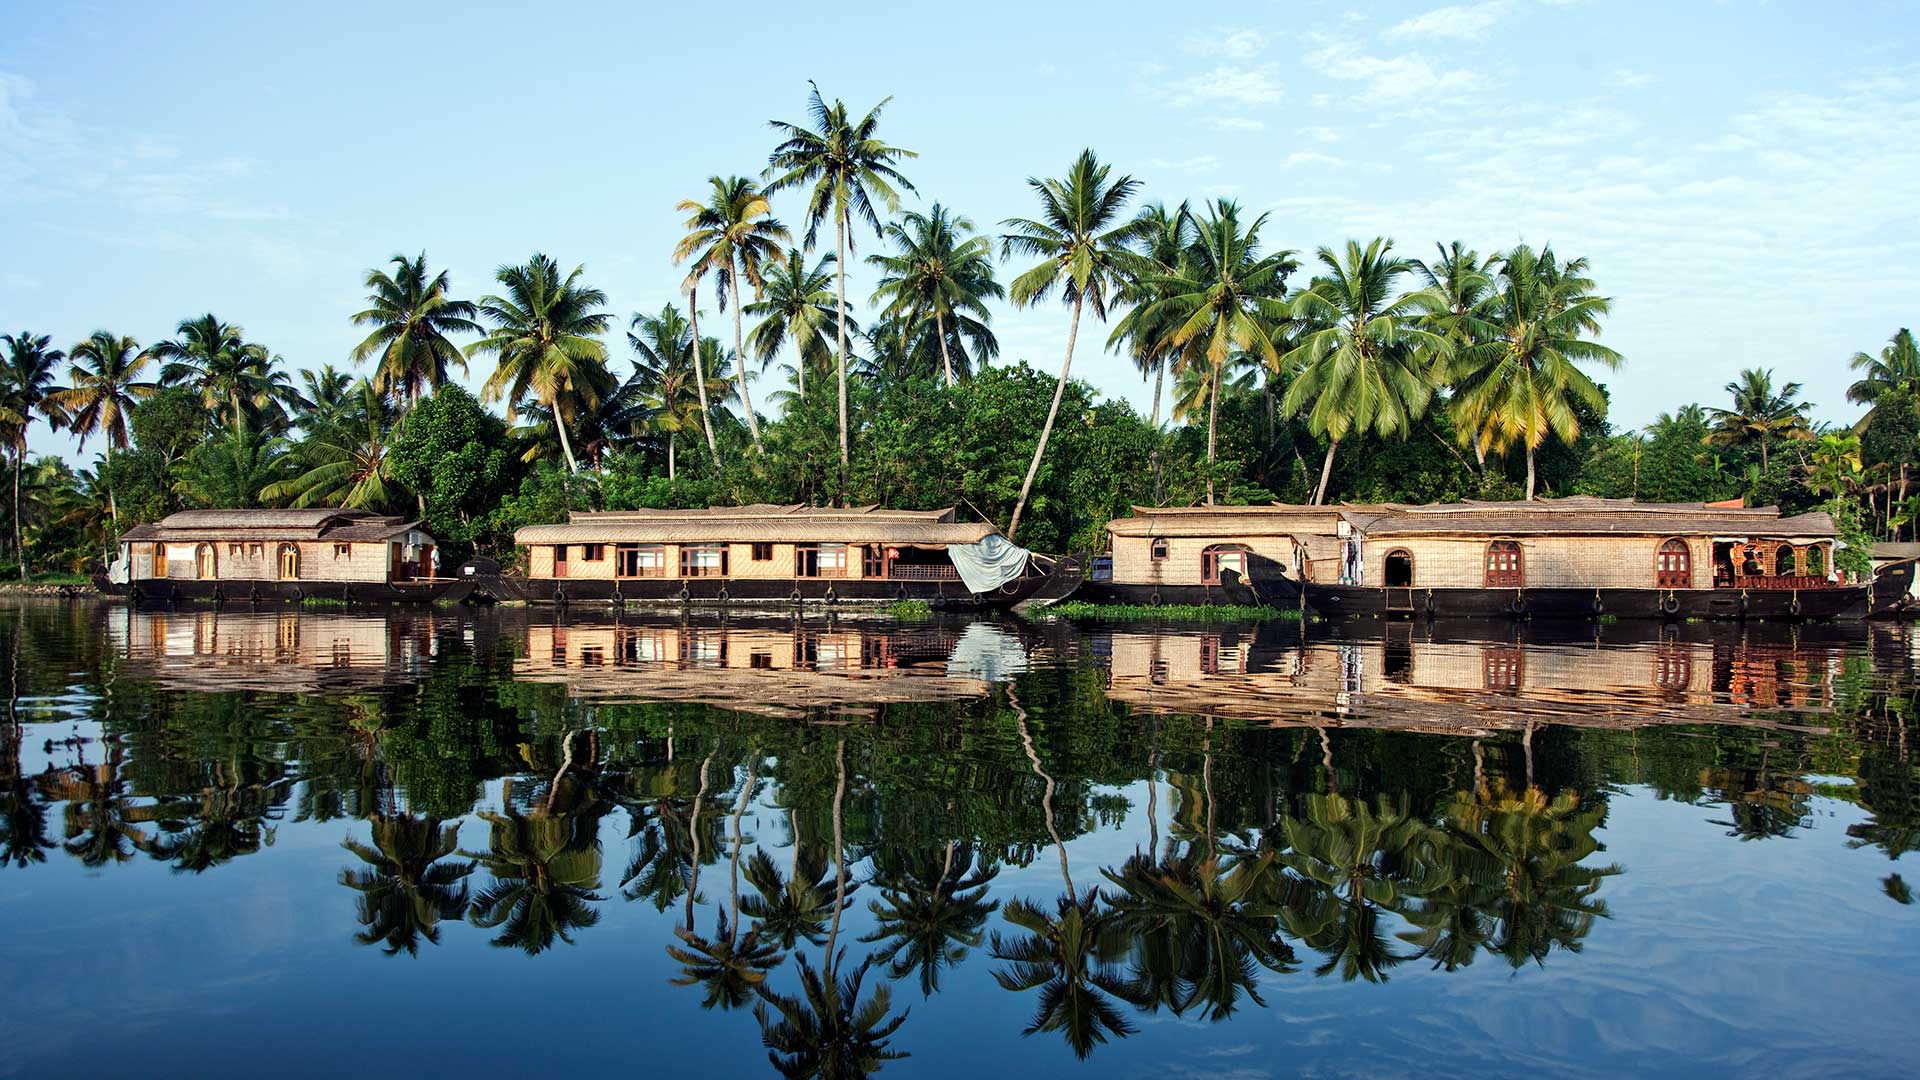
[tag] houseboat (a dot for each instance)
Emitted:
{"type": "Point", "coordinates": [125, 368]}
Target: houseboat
{"type": "Point", "coordinates": [1584, 557]}
{"type": "Point", "coordinates": [1250, 555]}
{"type": "Point", "coordinates": [1896, 587]}
{"type": "Point", "coordinates": [254, 555]}
{"type": "Point", "coordinates": [771, 554]}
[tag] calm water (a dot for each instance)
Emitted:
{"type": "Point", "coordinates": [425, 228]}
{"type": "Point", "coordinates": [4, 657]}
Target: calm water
{"type": "Point", "coordinates": [310, 843]}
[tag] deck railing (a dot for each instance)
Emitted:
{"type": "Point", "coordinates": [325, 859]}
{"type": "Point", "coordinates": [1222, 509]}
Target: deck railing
{"type": "Point", "coordinates": [922, 572]}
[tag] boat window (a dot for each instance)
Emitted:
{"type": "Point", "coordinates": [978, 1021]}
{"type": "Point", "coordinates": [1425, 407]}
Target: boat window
{"type": "Point", "coordinates": [1783, 561]}
{"type": "Point", "coordinates": [593, 552]}
{"type": "Point", "coordinates": [1673, 565]}
{"type": "Point", "coordinates": [639, 560]}
{"type": "Point", "coordinates": [1399, 569]}
{"type": "Point", "coordinates": [1817, 561]}
{"type": "Point", "coordinates": [1222, 557]}
{"type": "Point", "coordinates": [257, 550]}
{"type": "Point", "coordinates": [205, 565]}
{"type": "Point", "coordinates": [820, 560]}
{"type": "Point", "coordinates": [289, 562]}
{"type": "Point", "coordinates": [762, 551]}
{"type": "Point", "coordinates": [341, 551]}
{"type": "Point", "coordinates": [1159, 549]}
{"type": "Point", "coordinates": [1505, 567]}
{"type": "Point", "coordinates": [703, 560]}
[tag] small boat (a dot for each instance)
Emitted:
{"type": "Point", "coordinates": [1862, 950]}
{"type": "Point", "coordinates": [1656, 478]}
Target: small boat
{"type": "Point", "coordinates": [351, 556]}
{"type": "Point", "coordinates": [771, 555]}
{"type": "Point", "coordinates": [1896, 587]}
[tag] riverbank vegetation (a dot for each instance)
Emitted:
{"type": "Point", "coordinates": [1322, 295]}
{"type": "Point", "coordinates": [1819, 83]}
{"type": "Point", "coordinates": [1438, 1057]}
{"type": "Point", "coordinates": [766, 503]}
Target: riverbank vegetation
{"type": "Point", "coordinates": [1359, 371]}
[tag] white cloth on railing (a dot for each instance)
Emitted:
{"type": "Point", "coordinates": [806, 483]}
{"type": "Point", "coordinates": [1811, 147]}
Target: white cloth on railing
{"type": "Point", "coordinates": [989, 564]}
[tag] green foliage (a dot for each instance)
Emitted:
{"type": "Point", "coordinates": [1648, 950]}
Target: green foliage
{"type": "Point", "coordinates": [170, 423]}
{"type": "Point", "coordinates": [910, 610]}
{"type": "Point", "coordinates": [456, 455]}
{"type": "Point", "coordinates": [1855, 556]}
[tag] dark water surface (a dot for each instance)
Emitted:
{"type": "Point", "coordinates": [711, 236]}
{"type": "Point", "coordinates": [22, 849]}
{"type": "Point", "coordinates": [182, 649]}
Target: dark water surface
{"type": "Point", "coordinates": [312, 843]}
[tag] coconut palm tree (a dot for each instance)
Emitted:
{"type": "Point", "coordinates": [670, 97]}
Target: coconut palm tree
{"type": "Point", "coordinates": [940, 272]}
{"type": "Point", "coordinates": [1160, 253]}
{"type": "Point", "coordinates": [345, 463]}
{"type": "Point", "coordinates": [405, 889]}
{"type": "Point", "coordinates": [846, 168]}
{"type": "Point", "coordinates": [235, 378]}
{"type": "Point", "coordinates": [545, 333]}
{"type": "Point", "coordinates": [663, 346]}
{"type": "Point", "coordinates": [795, 906]}
{"type": "Point", "coordinates": [1081, 239]}
{"type": "Point", "coordinates": [1761, 414]}
{"type": "Point", "coordinates": [733, 236]}
{"type": "Point", "coordinates": [412, 317]}
{"type": "Point", "coordinates": [1896, 366]}
{"type": "Point", "coordinates": [26, 390]}
{"type": "Point", "coordinates": [731, 966]}
{"type": "Point", "coordinates": [1365, 361]}
{"type": "Point", "coordinates": [796, 305]}
{"type": "Point", "coordinates": [105, 374]}
{"type": "Point", "coordinates": [1523, 384]}
{"type": "Point", "coordinates": [1225, 299]}
{"type": "Point", "coordinates": [232, 469]}
{"type": "Point", "coordinates": [1534, 847]}
{"type": "Point", "coordinates": [1215, 915]}
{"type": "Point", "coordinates": [545, 869]}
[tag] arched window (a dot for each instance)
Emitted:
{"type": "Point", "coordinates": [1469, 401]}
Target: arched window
{"type": "Point", "coordinates": [289, 562]}
{"type": "Point", "coordinates": [1783, 561]}
{"type": "Point", "coordinates": [1158, 550]}
{"type": "Point", "coordinates": [1399, 569]}
{"type": "Point", "coordinates": [1505, 568]}
{"type": "Point", "coordinates": [1219, 557]}
{"type": "Point", "coordinates": [1817, 561]}
{"type": "Point", "coordinates": [206, 564]}
{"type": "Point", "coordinates": [1673, 565]}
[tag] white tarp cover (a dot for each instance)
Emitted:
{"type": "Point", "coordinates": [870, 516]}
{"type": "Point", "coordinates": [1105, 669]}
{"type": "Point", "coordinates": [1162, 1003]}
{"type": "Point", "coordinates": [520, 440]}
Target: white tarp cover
{"type": "Point", "coordinates": [989, 564]}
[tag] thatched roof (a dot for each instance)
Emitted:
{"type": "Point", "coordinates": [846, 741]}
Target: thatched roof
{"type": "Point", "coordinates": [1895, 552]}
{"type": "Point", "coordinates": [1584, 515]}
{"type": "Point", "coordinates": [1276, 519]}
{"type": "Point", "coordinates": [745, 524]}
{"type": "Point", "coordinates": [232, 526]}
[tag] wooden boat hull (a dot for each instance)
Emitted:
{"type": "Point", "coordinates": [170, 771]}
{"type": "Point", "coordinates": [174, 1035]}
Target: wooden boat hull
{"type": "Point", "coordinates": [754, 592]}
{"type": "Point", "coordinates": [1893, 592]}
{"type": "Point", "coordinates": [1333, 601]}
{"type": "Point", "coordinates": [174, 590]}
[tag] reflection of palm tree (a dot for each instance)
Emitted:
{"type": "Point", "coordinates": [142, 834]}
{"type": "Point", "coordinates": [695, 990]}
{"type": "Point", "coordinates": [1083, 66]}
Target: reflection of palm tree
{"type": "Point", "coordinates": [661, 868]}
{"type": "Point", "coordinates": [826, 1032]}
{"type": "Point", "coordinates": [403, 893]}
{"type": "Point", "coordinates": [1351, 862]}
{"type": "Point", "coordinates": [231, 822]}
{"type": "Point", "coordinates": [732, 967]}
{"type": "Point", "coordinates": [931, 909]}
{"type": "Point", "coordinates": [545, 870]}
{"type": "Point", "coordinates": [1534, 846]}
{"type": "Point", "coordinates": [1203, 925]}
{"type": "Point", "coordinates": [795, 907]}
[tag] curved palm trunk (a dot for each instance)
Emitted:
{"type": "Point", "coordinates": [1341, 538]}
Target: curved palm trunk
{"type": "Point", "coordinates": [739, 811]}
{"type": "Point", "coordinates": [566, 444]}
{"type": "Point", "coordinates": [693, 835]}
{"type": "Point", "coordinates": [946, 361]}
{"type": "Point", "coordinates": [840, 300]}
{"type": "Point", "coordinates": [1213, 420]}
{"type": "Point", "coordinates": [740, 361]}
{"type": "Point", "coordinates": [1326, 470]}
{"type": "Point", "coordinates": [1530, 451]}
{"type": "Point", "coordinates": [700, 375]}
{"type": "Point", "coordinates": [1046, 430]}
{"type": "Point", "coordinates": [1159, 380]}
{"type": "Point", "coordinates": [671, 437]}
{"type": "Point", "coordinates": [800, 367]}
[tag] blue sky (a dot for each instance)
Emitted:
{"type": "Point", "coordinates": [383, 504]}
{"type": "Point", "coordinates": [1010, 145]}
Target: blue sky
{"type": "Point", "coordinates": [1744, 176]}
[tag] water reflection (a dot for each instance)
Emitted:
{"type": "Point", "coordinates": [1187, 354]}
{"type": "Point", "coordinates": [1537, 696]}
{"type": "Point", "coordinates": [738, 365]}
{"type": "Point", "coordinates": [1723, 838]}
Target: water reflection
{"type": "Point", "coordinates": [804, 819]}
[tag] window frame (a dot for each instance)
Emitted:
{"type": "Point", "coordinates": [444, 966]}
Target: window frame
{"type": "Point", "coordinates": [1210, 559]}
{"type": "Point", "coordinates": [1666, 574]}
{"type": "Point", "coordinates": [1159, 549]}
{"type": "Point", "coordinates": [1500, 577]}
{"type": "Point", "coordinates": [762, 551]}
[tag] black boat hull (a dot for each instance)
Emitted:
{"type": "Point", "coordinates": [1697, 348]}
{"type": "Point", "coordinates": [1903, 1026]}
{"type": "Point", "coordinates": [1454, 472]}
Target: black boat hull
{"type": "Point", "coordinates": [1275, 592]}
{"type": "Point", "coordinates": [1893, 591]}
{"type": "Point", "coordinates": [1848, 602]}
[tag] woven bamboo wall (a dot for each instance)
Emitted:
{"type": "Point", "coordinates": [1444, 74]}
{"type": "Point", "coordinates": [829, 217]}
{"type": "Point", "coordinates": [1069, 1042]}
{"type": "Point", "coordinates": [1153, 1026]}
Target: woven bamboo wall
{"type": "Point", "coordinates": [1583, 562]}
{"type": "Point", "coordinates": [1133, 563]}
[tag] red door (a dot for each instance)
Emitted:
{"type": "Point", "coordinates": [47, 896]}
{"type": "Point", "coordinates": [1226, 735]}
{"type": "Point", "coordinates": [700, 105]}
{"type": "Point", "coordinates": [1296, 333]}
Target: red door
{"type": "Point", "coordinates": [1505, 568]}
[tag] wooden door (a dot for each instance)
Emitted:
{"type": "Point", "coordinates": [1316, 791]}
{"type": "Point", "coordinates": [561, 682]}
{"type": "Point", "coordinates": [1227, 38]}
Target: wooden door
{"type": "Point", "coordinates": [1506, 568]}
{"type": "Point", "coordinates": [559, 560]}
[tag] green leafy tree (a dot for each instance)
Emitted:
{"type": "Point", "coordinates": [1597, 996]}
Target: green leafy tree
{"type": "Point", "coordinates": [231, 470]}
{"type": "Point", "coordinates": [349, 465]}
{"type": "Point", "coordinates": [846, 168]}
{"type": "Point", "coordinates": [1081, 238]}
{"type": "Point", "coordinates": [1762, 414]}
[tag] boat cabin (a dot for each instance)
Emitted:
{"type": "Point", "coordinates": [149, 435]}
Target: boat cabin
{"type": "Point", "coordinates": [1174, 551]}
{"type": "Point", "coordinates": [752, 544]}
{"type": "Point", "coordinates": [1582, 542]}
{"type": "Point", "coordinates": [288, 546]}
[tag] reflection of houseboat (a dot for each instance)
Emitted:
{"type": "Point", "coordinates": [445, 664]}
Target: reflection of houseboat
{"type": "Point", "coordinates": [772, 554]}
{"type": "Point", "coordinates": [1407, 680]}
{"type": "Point", "coordinates": [1215, 554]}
{"type": "Point", "coordinates": [278, 555]}
{"type": "Point", "coordinates": [1585, 557]}
{"type": "Point", "coordinates": [778, 669]}
{"type": "Point", "coordinates": [287, 651]}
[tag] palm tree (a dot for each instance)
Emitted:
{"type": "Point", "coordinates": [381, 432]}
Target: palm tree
{"type": "Point", "coordinates": [1541, 896]}
{"type": "Point", "coordinates": [796, 304]}
{"type": "Point", "coordinates": [1463, 282]}
{"type": "Point", "coordinates": [1216, 920]}
{"type": "Point", "coordinates": [1365, 363]}
{"type": "Point", "coordinates": [545, 869]}
{"type": "Point", "coordinates": [405, 890]}
{"type": "Point", "coordinates": [1897, 366]}
{"type": "Point", "coordinates": [664, 345]}
{"type": "Point", "coordinates": [232, 470]}
{"type": "Point", "coordinates": [546, 334]}
{"type": "Point", "coordinates": [1081, 239]}
{"type": "Point", "coordinates": [1522, 385]}
{"type": "Point", "coordinates": [731, 966]}
{"type": "Point", "coordinates": [26, 389]}
{"type": "Point", "coordinates": [345, 464]}
{"type": "Point", "coordinates": [235, 378]}
{"type": "Point", "coordinates": [1163, 246]}
{"type": "Point", "coordinates": [1760, 414]}
{"type": "Point", "coordinates": [796, 906]}
{"type": "Point", "coordinates": [848, 167]}
{"type": "Point", "coordinates": [412, 317]}
{"type": "Point", "coordinates": [1225, 299]}
{"type": "Point", "coordinates": [941, 272]}
{"type": "Point", "coordinates": [733, 236]}
{"type": "Point", "coordinates": [105, 374]}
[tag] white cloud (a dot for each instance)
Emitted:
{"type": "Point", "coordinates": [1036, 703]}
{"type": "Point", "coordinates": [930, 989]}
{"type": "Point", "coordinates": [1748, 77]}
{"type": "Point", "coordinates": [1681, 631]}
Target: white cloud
{"type": "Point", "coordinates": [1321, 133]}
{"type": "Point", "coordinates": [1392, 80]}
{"type": "Point", "coordinates": [1198, 163]}
{"type": "Point", "coordinates": [1627, 78]}
{"type": "Point", "coordinates": [1232, 44]}
{"type": "Point", "coordinates": [1459, 22]}
{"type": "Point", "coordinates": [1226, 84]}
{"type": "Point", "coordinates": [1236, 123]}
{"type": "Point", "coordinates": [1311, 157]}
